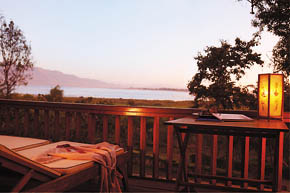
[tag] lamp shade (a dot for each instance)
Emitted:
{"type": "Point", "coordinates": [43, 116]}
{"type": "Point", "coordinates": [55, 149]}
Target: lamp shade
{"type": "Point", "coordinates": [270, 96]}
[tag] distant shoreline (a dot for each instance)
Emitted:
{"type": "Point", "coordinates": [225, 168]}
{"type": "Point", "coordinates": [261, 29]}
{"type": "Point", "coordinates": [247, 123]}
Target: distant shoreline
{"type": "Point", "coordinates": [131, 88]}
{"type": "Point", "coordinates": [164, 89]}
{"type": "Point", "coordinates": [125, 93]}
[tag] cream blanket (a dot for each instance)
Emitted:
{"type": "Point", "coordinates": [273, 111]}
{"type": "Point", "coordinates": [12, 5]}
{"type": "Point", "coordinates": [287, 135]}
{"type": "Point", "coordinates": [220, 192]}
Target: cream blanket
{"type": "Point", "coordinates": [103, 153]}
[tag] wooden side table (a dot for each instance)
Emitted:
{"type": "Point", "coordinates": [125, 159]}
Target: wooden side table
{"type": "Point", "coordinates": [257, 128]}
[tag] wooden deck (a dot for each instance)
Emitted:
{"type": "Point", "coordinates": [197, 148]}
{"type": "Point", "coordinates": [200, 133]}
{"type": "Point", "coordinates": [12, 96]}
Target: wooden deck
{"type": "Point", "coordinates": [143, 185]}
{"type": "Point", "coordinates": [136, 184]}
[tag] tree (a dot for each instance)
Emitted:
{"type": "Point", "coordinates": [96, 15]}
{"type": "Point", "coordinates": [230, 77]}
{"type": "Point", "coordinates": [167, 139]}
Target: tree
{"type": "Point", "coordinates": [274, 16]}
{"type": "Point", "coordinates": [281, 57]}
{"type": "Point", "coordinates": [55, 94]}
{"type": "Point", "coordinates": [218, 69]}
{"type": "Point", "coordinates": [15, 58]}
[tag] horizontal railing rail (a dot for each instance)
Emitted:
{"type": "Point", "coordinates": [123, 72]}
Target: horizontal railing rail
{"type": "Point", "coordinates": [141, 131]}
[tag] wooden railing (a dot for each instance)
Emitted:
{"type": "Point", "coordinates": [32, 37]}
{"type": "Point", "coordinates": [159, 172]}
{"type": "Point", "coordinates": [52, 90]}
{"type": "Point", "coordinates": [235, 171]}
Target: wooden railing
{"type": "Point", "coordinates": [131, 127]}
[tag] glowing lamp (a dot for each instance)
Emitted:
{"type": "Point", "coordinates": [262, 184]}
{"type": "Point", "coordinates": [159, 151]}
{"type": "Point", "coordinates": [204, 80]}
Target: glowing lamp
{"type": "Point", "coordinates": [270, 96]}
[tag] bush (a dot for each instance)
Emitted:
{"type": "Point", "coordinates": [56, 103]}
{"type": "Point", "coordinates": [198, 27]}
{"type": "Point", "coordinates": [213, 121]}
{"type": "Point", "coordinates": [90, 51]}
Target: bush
{"type": "Point", "coordinates": [28, 97]}
{"type": "Point", "coordinates": [56, 94]}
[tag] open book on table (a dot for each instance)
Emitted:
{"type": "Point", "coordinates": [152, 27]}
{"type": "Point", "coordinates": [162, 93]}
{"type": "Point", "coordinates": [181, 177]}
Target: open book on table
{"type": "Point", "coordinates": [224, 117]}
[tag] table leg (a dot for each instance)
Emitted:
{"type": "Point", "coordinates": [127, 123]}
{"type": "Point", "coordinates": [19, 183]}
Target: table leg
{"type": "Point", "coordinates": [182, 172]}
{"type": "Point", "coordinates": [179, 172]}
{"type": "Point", "coordinates": [179, 175]}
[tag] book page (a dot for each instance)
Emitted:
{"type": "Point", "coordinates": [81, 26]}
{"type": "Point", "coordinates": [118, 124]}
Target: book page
{"type": "Point", "coordinates": [232, 117]}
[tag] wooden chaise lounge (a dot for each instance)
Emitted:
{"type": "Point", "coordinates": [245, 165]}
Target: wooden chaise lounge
{"type": "Point", "coordinates": [20, 143]}
{"type": "Point", "coordinates": [59, 176]}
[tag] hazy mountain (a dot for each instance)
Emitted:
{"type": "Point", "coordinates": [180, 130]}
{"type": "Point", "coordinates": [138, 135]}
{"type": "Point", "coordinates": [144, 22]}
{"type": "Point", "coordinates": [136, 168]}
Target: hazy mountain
{"type": "Point", "coordinates": [43, 77]}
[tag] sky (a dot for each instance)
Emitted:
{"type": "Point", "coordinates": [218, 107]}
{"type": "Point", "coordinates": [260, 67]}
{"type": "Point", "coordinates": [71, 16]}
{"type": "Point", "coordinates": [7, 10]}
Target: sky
{"type": "Point", "coordinates": [137, 43]}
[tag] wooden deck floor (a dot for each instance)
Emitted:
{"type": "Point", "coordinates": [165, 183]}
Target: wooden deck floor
{"type": "Point", "coordinates": [10, 179]}
{"type": "Point", "coordinates": [135, 185]}
{"type": "Point", "coordinates": [143, 185]}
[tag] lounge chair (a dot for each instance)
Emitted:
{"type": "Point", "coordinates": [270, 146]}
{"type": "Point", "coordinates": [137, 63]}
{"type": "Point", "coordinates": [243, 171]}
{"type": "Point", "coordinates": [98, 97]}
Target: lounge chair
{"type": "Point", "coordinates": [59, 176]}
{"type": "Point", "coordinates": [20, 143]}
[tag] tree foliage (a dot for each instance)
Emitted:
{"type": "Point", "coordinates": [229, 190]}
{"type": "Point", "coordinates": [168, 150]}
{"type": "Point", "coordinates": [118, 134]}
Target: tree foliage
{"type": "Point", "coordinates": [274, 15]}
{"type": "Point", "coordinates": [281, 56]}
{"type": "Point", "coordinates": [287, 98]}
{"type": "Point", "coordinates": [218, 69]}
{"type": "Point", "coordinates": [55, 94]}
{"type": "Point", "coordinates": [15, 58]}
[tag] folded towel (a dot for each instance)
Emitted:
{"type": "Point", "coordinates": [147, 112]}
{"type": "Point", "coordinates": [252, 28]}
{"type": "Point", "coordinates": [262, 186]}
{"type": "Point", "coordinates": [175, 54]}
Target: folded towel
{"type": "Point", "coordinates": [103, 153]}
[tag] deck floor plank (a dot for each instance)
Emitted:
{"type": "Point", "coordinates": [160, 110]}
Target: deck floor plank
{"type": "Point", "coordinates": [142, 185]}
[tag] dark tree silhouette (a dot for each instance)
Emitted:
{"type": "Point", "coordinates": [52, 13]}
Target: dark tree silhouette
{"type": "Point", "coordinates": [218, 69]}
{"type": "Point", "coordinates": [274, 16]}
{"type": "Point", "coordinates": [15, 58]}
{"type": "Point", "coordinates": [281, 56]}
{"type": "Point", "coordinates": [55, 94]}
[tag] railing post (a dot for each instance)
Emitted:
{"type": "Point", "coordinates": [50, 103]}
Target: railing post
{"type": "Point", "coordinates": [2, 121]}
{"type": "Point", "coordinates": [214, 156]}
{"type": "Point", "coordinates": [245, 160]}
{"type": "Point", "coordinates": [278, 162]}
{"type": "Point", "coordinates": [7, 119]}
{"type": "Point", "coordinates": [261, 161]}
{"type": "Point", "coordinates": [130, 145]}
{"type": "Point", "coordinates": [142, 145]}
{"type": "Point", "coordinates": [57, 128]}
{"type": "Point", "coordinates": [36, 123]}
{"type": "Point", "coordinates": [92, 128]}
{"type": "Point", "coordinates": [46, 123]}
{"type": "Point", "coordinates": [67, 125]}
{"type": "Point", "coordinates": [156, 148]}
{"type": "Point", "coordinates": [198, 157]}
{"type": "Point", "coordinates": [117, 129]}
{"type": "Point", "coordinates": [105, 128]}
{"type": "Point", "coordinates": [26, 122]}
{"type": "Point", "coordinates": [17, 122]}
{"type": "Point", "coordinates": [230, 158]}
{"type": "Point", "coordinates": [78, 124]}
{"type": "Point", "coordinates": [169, 149]}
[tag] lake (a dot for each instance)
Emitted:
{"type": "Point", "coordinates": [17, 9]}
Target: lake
{"type": "Point", "coordinates": [110, 93]}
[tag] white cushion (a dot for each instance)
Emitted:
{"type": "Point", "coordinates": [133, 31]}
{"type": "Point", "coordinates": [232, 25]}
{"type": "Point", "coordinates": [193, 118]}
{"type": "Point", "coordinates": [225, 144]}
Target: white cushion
{"type": "Point", "coordinates": [20, 143]}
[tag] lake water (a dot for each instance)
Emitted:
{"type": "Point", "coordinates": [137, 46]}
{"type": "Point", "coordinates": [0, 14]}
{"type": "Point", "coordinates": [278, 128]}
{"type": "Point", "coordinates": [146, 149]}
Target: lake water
{"type": "Point", "coordinates": [110, 93]}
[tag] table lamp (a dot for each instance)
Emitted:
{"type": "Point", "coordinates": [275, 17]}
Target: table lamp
{"type": "Point", "coordinates": [270, 96]}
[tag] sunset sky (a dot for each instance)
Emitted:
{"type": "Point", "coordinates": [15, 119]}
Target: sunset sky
{"type": "Point", "coordinates": [140, 43]}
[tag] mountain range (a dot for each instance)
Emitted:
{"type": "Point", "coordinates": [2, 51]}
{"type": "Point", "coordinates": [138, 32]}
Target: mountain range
{"type": "Point", "coordinates": [44, 77]}
{"type": "Point", "coordinates": [51, 78]}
